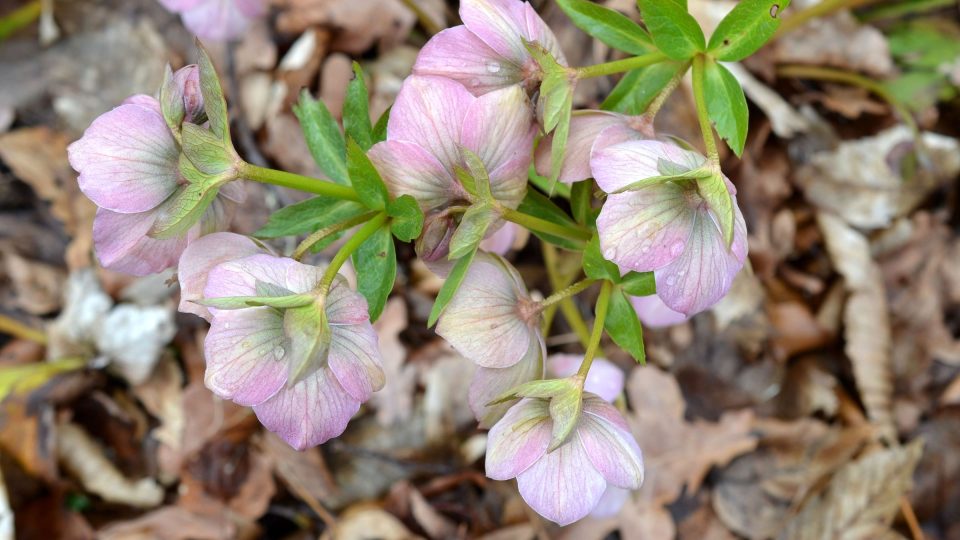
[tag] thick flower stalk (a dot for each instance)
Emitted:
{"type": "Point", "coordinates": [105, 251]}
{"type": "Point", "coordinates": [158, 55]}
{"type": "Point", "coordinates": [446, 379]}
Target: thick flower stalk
{"type": "Point", "coordinates": [493, 322]}
{"type": "Point", "coordinates": [656, 219]}
{"type": "Point", "coordinates": [567, 483]}
{"type": "Point", "coordinates": [217, 20]}
{"type": "Point", "coordinates": [487, 52]}
{"type": "Point", "coordinates": [303, 358]}
{"type": "Point", "coordinates": [130, 165]}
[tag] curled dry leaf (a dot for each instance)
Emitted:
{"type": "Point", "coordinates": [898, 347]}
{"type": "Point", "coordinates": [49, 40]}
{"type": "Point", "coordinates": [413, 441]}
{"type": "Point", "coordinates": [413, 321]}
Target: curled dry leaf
{"type": "Point", "coordinates": [170, 523]}
{"type": "Point", "coordinates": [84, 459]}
{"type": "Point", "coordinates": [866, 319]}
{"type": "Point", "coordinates": [358, 24]}
{"type": "Point", "coordinates": [861, 500]}
{"type": "Point", "coordinates": [837, 41]}
{"type": "Point", "coordinates": [861, 180]}
{"type": "Point", "coordinates": [364, 521]}
{"type": "Point", "coordinates": [304, 473]}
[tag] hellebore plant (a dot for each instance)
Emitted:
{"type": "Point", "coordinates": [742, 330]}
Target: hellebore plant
{"type": "Point", "coordinates": [651, 226]}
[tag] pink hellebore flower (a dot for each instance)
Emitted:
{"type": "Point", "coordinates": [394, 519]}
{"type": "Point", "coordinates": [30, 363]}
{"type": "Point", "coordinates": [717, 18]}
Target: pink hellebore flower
{"type": "Point", "coordinates": [216, 20]}
{"type": "Point", "coordinates": [666, 227]}
{"type": "Point", "coordinates": [305, 394]}
{"type": "Point", "coordinates": [653, 313]}
{"type": "Point", "coordinates": [492, 321]}
{"type": "Point", "coordinates": [567, 484]}
{"type": "Point", "coordinates": [487, 51]}
{"type": "Point", "coordinates": [591, 130]}
{"type": "Point", "coordinates": [604, 378]}
{"type": "Point", "coordinates": [432, 119]}
{"type": "Point", "coordinates": [128, 165]}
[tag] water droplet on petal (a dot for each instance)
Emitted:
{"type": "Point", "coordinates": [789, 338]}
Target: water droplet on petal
{"type": "Point", "coordinates": [671, 280]}
{"type": "Point", "coordinates": [676, 249]}
{"type": "Point", "coordinates": [226, 326]}
{"type": "Point", "coordinates": [610, 254]}
{"type": "Point", "coordinates": [493, 67]}
{"type": "Point", "coordinates": [278, 352]}
{"type": "Point", "coordinates": [474, 82]}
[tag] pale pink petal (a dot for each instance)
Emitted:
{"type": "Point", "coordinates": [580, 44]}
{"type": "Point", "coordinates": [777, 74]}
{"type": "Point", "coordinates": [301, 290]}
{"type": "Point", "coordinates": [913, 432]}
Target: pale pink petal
{"type": "Point", "coordinates": [239, 277]}
{"type": "Point", "coordinates": [429, 111]}
{"type": "Point", "coordinates": [654, 313]}
{"type": "Point", "coordinates": [488, 384]}
{"type": "Point", "coordinates": [604, 378]}
{"type": "Point", "coordinates": [345, 306]}
{"type": "Point", "coordinates": [127, 159]}
{"type": "Point", "coordinates": [537, 30]}
{"type": "Point", "coordinates": [611, 502]}
{"type": "Point", "coordinates": [122, 244]}
{"type": "Point", "coordinates": [235, 191]}
{"type": "Point", "coordinates": [518, 440]}
{"type": "Point", "coordinates": [502, 240]}
{"type": "Point", "coordinates": [617, 166]}
{"type": "Point", "coordinates": [562, 486]}
{"type": "Point", "coordinates": [501, 24]}
{"type": "Point", "coordinates": [311, 412]}
{"type": "Point", "coordinates": [704, 272]}
{"type": "Point", "coordinates": [456, 53]}
{"type": "Point", "coordinates": [200, 257]}
{"type": "Point", "coordinates": [179, 5]}
{"type": "Point", "coordinates": [483, 321]}
{"type": "Point", "coordinates": [409, 169]}
{"type": "Point", "coordinates": [302, 278]}
{"type": "Point", "coordinates": [585, 126]}
{"type": "Point", "coordinates": [252, 8]}
{"type": "Point", "coordinates": [143, 100]}
{"type": "Point", "coordinates": [610, 446]}
{"type": "Point", "coordinates": [648, 228]}
{"type": "Point", "coordinates": [355, 359]}
{"type": "Point", "coordinates": [217, 20]}
{"type": "Point", "coordinates": [245, 355]}
{"type": "Point", "coordinates": [499, 128]}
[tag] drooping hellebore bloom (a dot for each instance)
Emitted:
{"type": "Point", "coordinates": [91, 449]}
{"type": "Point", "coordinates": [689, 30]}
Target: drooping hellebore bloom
{"type": "Point", "coordinates": [568, 483]}
{"type": "Point", "coordinates": [487, 52]}
{"type": "Point", "coordinates": [216, 20]}
{"type": "Point", "coordinates": [666, 227]}
{"type": "Point", "coordinates": [200, 257]}
{"type": "Point", "coordinates": [653, 313]}
{"type": "Point", "coordinates": [305, 369]}
{"type": "Point", "coordinates": [492, 321]}
{"type": "Point", "coordinates": [591, 130]}
{"type": "Point", "coordinates": [432, 120]}
{"type": "Point", "coordinates": [129, 165]}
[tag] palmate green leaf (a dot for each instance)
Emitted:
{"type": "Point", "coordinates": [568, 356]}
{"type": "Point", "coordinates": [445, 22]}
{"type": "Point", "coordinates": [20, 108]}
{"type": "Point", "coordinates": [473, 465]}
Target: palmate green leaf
{"type": "Point", "coordinates": [714, 190]}
{"type": "Point", "coordinates": [356, 110]}
{"type": "Point", "coordinates": [214, 103]}
{"type": "Point", "coordinates": [726, 105]}
{"type": "Point", "coordinates": [308, 216]}
{"type": "Point", "coordinates": [379, 133]}
{"type": "Point", "coordinates": [538, 205]}
{"type": "Point", "coordinates": [450, 286]}
{"type": "Point", "coordinates": [638, 88]}
{"type": "Point", "coordinates": [406, 218]}
{"type": "Point", "coordinates": [609, 26]}
{"type": "Point", "coordinates": [375, 262]}
{"type": "Point", "coordinates": [675, 32]}
{"type": "Point", "coordinates": [473, 227]}
{"type": "Point", "coordinates": [323, 137]}
{"type": "Point", "coordinates": [639, 283]}
{"type": "Point", "coordinates": [365, 178]}
{"type": "Point", "coordinates": [595, 266]}
{"type": "Point", "coordinates": [746, 28]}
{"type": "Point", "coordinates": [623, 326]}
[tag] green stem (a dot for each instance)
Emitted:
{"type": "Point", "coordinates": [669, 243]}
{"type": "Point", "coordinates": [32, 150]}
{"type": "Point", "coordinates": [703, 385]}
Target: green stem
{"type": "Point", "coordinates": [347, 249]}
{"type": "Point", "coordinates": [853, 79]}
{"type": "Point", "coordinates": [319, 235]}
{"type": "Point", "coordinates": [905, 8]}
{"type": "Point", "coordinates": [619, 66]}
{"type": "Point", "coordinates": [548, 227]}
{"type": "Point", "coordinates": [603, 304]}
{"type": "Point", "coordinates": [699, 97]}
{"type": "Point", "coordinates": [661, 98]}
{"type": "Point", "coordinates": [19, 330]}
{"type": "Point", "coordinates": [567, 306]}
{"type": "Point", "coordinates": [567, 292]}
{"type": "Point", "coordinates": [821, 9]}
{"type": "Point", "coordinates": [296, 181]}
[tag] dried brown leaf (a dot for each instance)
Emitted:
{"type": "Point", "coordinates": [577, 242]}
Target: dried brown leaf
{"type": "Point", "coordinates": [837, 41]}
{"type": "Point", "coordinates": [861, 500]}
{"type": "Point", "coordinates": [394, 402]}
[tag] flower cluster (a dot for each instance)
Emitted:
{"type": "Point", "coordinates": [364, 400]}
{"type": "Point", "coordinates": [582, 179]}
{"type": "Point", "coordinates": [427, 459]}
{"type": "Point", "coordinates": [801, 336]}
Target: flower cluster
{"type": "Point", "coordinates": [652, 224]}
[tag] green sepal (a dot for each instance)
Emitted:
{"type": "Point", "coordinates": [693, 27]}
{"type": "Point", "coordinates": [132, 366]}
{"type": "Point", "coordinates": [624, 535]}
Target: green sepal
{"type": "Point", "coordinates": [480, 178]}
{"type": "Point", "coordinates": [356, 110]}
{"type": "Point", "coordinates": [208, 153]}
{"type": "Point", "coordinates": [714, 190]}
{"type": "Point", "coordinates": [406, 218]}
{"type": "Point", "coordinates": [450, 286]}
{"type": "Point", "coordinates": [555, 104]}
{"type": "Point", "coordinates": [323, 137]}
{"type": "Point", "coordinates": [677, 175]}
{"type": "Point", "coordinates": [472, 229]}
{"type": "Point", "coordinates": [307, 340]}
{"type": "Point", "coordinates": [623, 326]}
{"type": "Point", "coordinates": [566, 403]}
{"type": "Point", "coordinates": [214, 103]}
{"type": "Point", "coordinates": [171, 103]}
{"type": "Point", "coordinates": [365, 179]}
{"type": "Point", "coordinates": [186, 206]}
{"type": "Point", "coordinates": [375, 262]}
{"type": "Point", "coordinates": [242, 302]}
